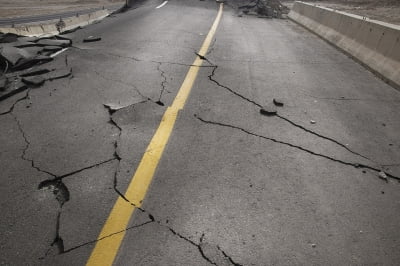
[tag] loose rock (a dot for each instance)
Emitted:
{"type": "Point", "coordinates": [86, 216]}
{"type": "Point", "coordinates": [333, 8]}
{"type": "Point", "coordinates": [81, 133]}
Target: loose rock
{"type": "Point", "coordinates": [269, 110]}
{"type": "Point", "coordinates": [278, 102]}
{"type": "Point", "coordinates": [382, 175]}
{"type": "Point", "coordinates": [92, 39]}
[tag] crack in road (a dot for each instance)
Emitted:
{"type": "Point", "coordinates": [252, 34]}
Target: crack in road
{"type": "Point", "coordinates": [211, 78]}
{"type": "Point", "coordinates": [151, 217]}
{"type": "Point", "coordinates": [26, 96]}
{"type": "Point", "coordinates": [355, 165]}
{"type": "Point", "coordinates": [54, 184]}
{"type": "Point", "coordinates": [163, 84]}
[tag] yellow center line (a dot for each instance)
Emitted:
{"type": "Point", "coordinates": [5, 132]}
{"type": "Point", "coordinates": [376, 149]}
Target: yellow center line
{"type": "Point", "coordinates": [107, 248]}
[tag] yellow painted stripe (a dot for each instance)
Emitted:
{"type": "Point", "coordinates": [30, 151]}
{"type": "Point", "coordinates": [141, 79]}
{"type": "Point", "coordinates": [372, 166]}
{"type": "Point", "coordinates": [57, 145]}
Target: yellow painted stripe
{"type": "Point", "coordinates": [105, 250]}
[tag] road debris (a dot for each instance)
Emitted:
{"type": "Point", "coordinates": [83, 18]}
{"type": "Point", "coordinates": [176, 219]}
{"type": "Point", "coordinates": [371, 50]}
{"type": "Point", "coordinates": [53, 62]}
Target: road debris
{"type": "Point", "coordinates": [278, 102]}
{"type": "Point", "coordinates": [92, 39]}
{"type": "Point", "coordinates": [382, 175]}
{"type": "Point", "coordinates": [313, 121]}
{"type": "Point", "coordinates": [261, 8]}
{"type": "Point", "coordinates": [269, 110]}
{"type": "Point", "coordinates": [20, 55]}
{"type": "Point", "coordinates": [35, 81]}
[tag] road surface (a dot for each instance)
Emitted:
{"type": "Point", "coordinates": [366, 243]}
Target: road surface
{"type": "Point", "coordinates": [231, 186]}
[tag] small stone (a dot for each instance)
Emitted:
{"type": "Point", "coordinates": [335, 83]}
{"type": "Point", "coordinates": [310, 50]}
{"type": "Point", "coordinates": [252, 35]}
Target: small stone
{"type": "Point", "coordinates": [313, 245]}
{"type": "Point", "coordinates": [278, 102]}
{"type": "Point", "coordinates": [34, 81]}
{"type": "Point", "coordinates": [92, 39]}
{"type": "Point", "coordinates": [382, 175]}
{"type": "Point", "coordinates": [269, 110]}
{"type": "Point", "coordinates": [312, 122]}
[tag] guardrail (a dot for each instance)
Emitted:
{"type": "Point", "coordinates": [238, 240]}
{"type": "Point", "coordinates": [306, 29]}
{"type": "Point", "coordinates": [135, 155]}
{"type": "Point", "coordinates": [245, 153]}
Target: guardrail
{"type": "Point", "coordinates": [373, 43]}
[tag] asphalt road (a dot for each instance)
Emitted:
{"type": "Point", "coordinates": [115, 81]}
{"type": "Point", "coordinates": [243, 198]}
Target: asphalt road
{"type": "Point", "coordinates": [233, 186]}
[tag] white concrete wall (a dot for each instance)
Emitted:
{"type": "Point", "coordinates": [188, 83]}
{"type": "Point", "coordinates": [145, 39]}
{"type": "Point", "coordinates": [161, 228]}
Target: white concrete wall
{"type": "Point", "coordinates": [375, 44]}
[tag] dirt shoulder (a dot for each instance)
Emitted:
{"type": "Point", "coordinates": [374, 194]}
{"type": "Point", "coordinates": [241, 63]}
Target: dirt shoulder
{"type": "Point", "coordinates": [383, 10]}
{"type": "Point", "coordinates": [21, 8]}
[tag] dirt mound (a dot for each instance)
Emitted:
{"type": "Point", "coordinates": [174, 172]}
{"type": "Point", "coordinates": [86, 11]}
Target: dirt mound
{"type": "Point", "coordinates": [264, 8]}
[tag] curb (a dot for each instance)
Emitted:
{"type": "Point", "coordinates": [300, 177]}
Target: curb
{"type": "Point", "coordinates": [54, 28]}
{"type": "Point", "coordinates": [374, 44]}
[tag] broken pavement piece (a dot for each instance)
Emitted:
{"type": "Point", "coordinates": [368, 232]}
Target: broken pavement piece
{"type": "Point", "coordinates": [8, 37]}
{"type": "Point", "coordinates": [35, 72]}
{"type": "Point", "coordinates": [12, 88]}
{"type": "Point", "coordinates": [59, 74]}
{"type": "Point", "coordinates": [269, 109]}
{"type": "Point", "coordinates": [35, 81]}
{"type": "Point", "coordinates": [50, 42]}
{"type": "Point", "coordinates": [92, 39]}
{"type": "Point", "coordinates": [3, 83]}
{"type": "Point", "coordinates": [14, 55]}
{"type": "Point", "coordinates": [382, 175]}
{"type": "Point", "coordinates": [52, 48]}
{"type": "Point", "coordinates": [278, 102]}
{"type": "Point", "coordinates": [29, 62]}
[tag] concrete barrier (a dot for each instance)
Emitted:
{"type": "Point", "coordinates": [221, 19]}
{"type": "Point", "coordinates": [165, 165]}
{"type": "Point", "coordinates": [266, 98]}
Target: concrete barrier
{"type": "Point", "coordinates": [373, 43]}
{"type": "Point", "coordinates": [55, 27]}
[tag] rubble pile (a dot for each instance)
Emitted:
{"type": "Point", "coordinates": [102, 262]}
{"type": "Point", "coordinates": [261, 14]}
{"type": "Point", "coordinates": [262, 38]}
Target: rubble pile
{"type": "Point", "coordinates": [261, 8]}
{"type": "Point", "coordinates": [21, 60]}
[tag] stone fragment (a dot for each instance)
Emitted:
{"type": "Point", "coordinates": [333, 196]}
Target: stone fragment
{"type": "Point", "coordinates": [382, 175]}
{"type": "Point", "coordinates": [92, 39]}
{"type": "Point", "coordinates": [269, 110]}
{"type": "Point", "coordinates": [313, 121]}
{"type": "Point", "coordinates": [35, 81]}
{"type": "Point", "coordinates": [278, 102]}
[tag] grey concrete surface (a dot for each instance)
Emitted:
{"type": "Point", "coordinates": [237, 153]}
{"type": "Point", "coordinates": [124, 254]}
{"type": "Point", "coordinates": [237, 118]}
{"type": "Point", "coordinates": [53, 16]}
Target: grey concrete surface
{"type": "Point", "coordinates": [234, 187]}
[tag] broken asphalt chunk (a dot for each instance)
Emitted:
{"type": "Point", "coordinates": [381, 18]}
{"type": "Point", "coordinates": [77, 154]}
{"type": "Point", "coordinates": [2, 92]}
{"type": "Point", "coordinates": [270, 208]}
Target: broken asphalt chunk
{"type": "Point", "coordinates": [12, 88]}
{"type": "Point", "coordinates": [35, 72]}
{"type": "Point", "coordinates": [35, 81]}
{"type": "Point", "coordinates": [59, 74]}
{"type": "Point", "coordinates": [8, 37]}
{"type": "Point", "coordinates": [269, 110]}
{"type": "Point", "coordinates": [27, 63]}
{"type": "Point", "coordinates": [278, 102]}
{"type": "Point", "coordinates": [92, 39]}
{"type": "Point", "coordinates": [52, 48]}
{"type": "Point", "coordinates": [3, 83]}
{"type": "Point", "coordinates": [14, 55]}
{"type": "Point", "coordinates": [50, 42]}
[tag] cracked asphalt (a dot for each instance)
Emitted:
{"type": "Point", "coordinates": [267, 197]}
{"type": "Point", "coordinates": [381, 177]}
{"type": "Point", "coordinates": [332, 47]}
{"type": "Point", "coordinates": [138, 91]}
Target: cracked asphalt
{"type": "Point", "coordinates": [315, 184]}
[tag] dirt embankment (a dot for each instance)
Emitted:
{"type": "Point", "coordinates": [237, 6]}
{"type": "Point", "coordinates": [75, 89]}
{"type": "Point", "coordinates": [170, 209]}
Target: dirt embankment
{"type": "Point", "coordinates": [20, 8]}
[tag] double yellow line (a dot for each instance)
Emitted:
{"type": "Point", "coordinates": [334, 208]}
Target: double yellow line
{"type": "Point", "coordinates": [107, 247]}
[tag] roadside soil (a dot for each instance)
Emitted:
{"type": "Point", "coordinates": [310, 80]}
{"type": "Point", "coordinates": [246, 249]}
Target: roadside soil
{"type": "Point", "coordinates": [21, 8]}
{"type": "Point", "coordinates": [383, 10]}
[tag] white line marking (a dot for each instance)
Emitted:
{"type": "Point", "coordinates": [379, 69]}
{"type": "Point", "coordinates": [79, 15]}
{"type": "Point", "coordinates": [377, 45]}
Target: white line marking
{"type": "Point", "coordinates": [163, 4]}
{"type": "Point", "coordinates": [59, 52]}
